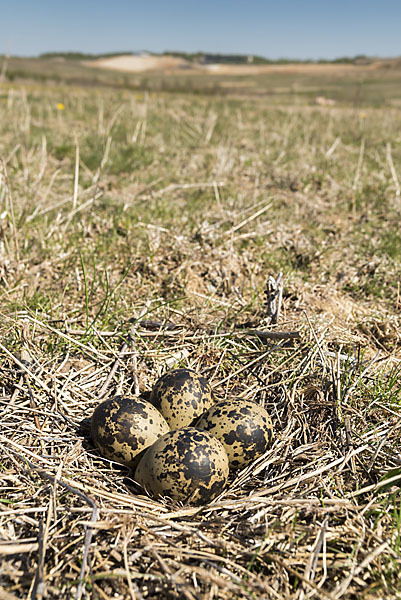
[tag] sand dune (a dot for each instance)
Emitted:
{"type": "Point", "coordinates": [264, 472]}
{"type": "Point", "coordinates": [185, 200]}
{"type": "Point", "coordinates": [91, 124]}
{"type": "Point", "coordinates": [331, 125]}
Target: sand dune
{"type": "Point", "coordinates": [136, 64]}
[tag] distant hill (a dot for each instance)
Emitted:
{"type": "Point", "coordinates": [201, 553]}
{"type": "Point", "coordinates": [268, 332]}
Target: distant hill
{"type": "Point", "coordinates": [206, 58]}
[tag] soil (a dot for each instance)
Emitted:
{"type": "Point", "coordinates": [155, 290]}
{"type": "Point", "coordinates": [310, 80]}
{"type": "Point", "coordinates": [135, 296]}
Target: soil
{"type": "Point", "coordinates": [136, 64]}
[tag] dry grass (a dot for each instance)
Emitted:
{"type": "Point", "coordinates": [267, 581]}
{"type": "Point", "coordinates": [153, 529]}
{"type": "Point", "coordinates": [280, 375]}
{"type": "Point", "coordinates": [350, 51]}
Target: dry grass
{"type": "Point", "coordinates": [138, 233]}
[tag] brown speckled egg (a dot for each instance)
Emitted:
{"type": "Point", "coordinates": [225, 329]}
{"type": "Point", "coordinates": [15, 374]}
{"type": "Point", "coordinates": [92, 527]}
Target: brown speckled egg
{"type": "Point", "coordinates": [243, 427]}
{"type": "Point", "coordinates": [122, 427]}
{"type": "Point", "coordinates": [187, 465]}
{"type": "Point", "coordinates": [181, 396]}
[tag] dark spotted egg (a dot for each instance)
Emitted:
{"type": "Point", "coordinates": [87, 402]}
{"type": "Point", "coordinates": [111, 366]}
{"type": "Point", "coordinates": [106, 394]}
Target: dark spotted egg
{"type": "Point", "coordinates": [243, 427]}
{"type": "Point", "coordinates": [187, 465]}
{"type": "Point", "coordinates": [181, 396]}
{"type": "Point", "coordinates": [122, 427]}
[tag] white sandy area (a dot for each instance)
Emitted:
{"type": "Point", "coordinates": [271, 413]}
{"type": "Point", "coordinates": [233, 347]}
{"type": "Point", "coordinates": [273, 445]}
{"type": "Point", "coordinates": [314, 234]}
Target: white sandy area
{"type": "Point", "coordinates": [137, 64]}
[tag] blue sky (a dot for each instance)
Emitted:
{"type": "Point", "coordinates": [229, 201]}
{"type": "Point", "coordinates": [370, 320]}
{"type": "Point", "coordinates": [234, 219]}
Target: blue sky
{"type": "Point", "coordinates": [272, 28]}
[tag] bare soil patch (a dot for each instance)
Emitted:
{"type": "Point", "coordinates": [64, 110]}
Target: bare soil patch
{"type": "Point", "coordinates": [137, 64]}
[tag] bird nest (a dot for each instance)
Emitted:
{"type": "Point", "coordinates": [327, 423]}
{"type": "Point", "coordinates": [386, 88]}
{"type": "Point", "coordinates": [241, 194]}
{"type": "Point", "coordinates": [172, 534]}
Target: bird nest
{"type": "Point", "coordinates": [311, 518]}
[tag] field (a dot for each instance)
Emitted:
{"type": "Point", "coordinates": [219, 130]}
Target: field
{"type": "Point", "coordinates": [141, 218]}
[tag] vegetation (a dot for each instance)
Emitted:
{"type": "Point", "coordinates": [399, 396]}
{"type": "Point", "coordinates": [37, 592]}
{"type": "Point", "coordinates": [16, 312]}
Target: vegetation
{"type": "Point", "coordinates": [138, 231]}
{"type": "Point", "coordinates": [79, 55]}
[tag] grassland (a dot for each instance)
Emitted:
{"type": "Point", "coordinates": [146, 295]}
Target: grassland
{"type": "Point", "coordinates": [138, 230]}
{"type": "Point", "coordinates": [354, 84]}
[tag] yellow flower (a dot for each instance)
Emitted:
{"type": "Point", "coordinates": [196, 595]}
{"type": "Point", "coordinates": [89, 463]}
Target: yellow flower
{"type": "Point", "coordinates": [362, 115]}
{"type": "Point", "coordinates": [60, 106]}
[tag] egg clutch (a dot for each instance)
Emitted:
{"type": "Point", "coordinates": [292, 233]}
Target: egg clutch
{"type": "Point", "coordinates": [181, 443]}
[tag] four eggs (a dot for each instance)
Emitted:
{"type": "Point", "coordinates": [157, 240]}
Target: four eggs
{"type": "Point", "coordinates": [182, 443]}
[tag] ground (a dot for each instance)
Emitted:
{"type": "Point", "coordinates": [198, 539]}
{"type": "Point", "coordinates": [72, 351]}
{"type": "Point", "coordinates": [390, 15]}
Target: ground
{"type": "Point", "coordinates": [139, 229]}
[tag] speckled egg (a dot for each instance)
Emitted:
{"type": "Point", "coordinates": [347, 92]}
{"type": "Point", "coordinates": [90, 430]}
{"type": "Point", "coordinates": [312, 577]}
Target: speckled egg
{"type": "Point", "coordinates": [243, 427]}
{"type": "Point", "coordinates": [181, 396]}
{"type": "Point", "coordinates": [187, 465]}
{"type": "Point", "coordinates": [122, 427]}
